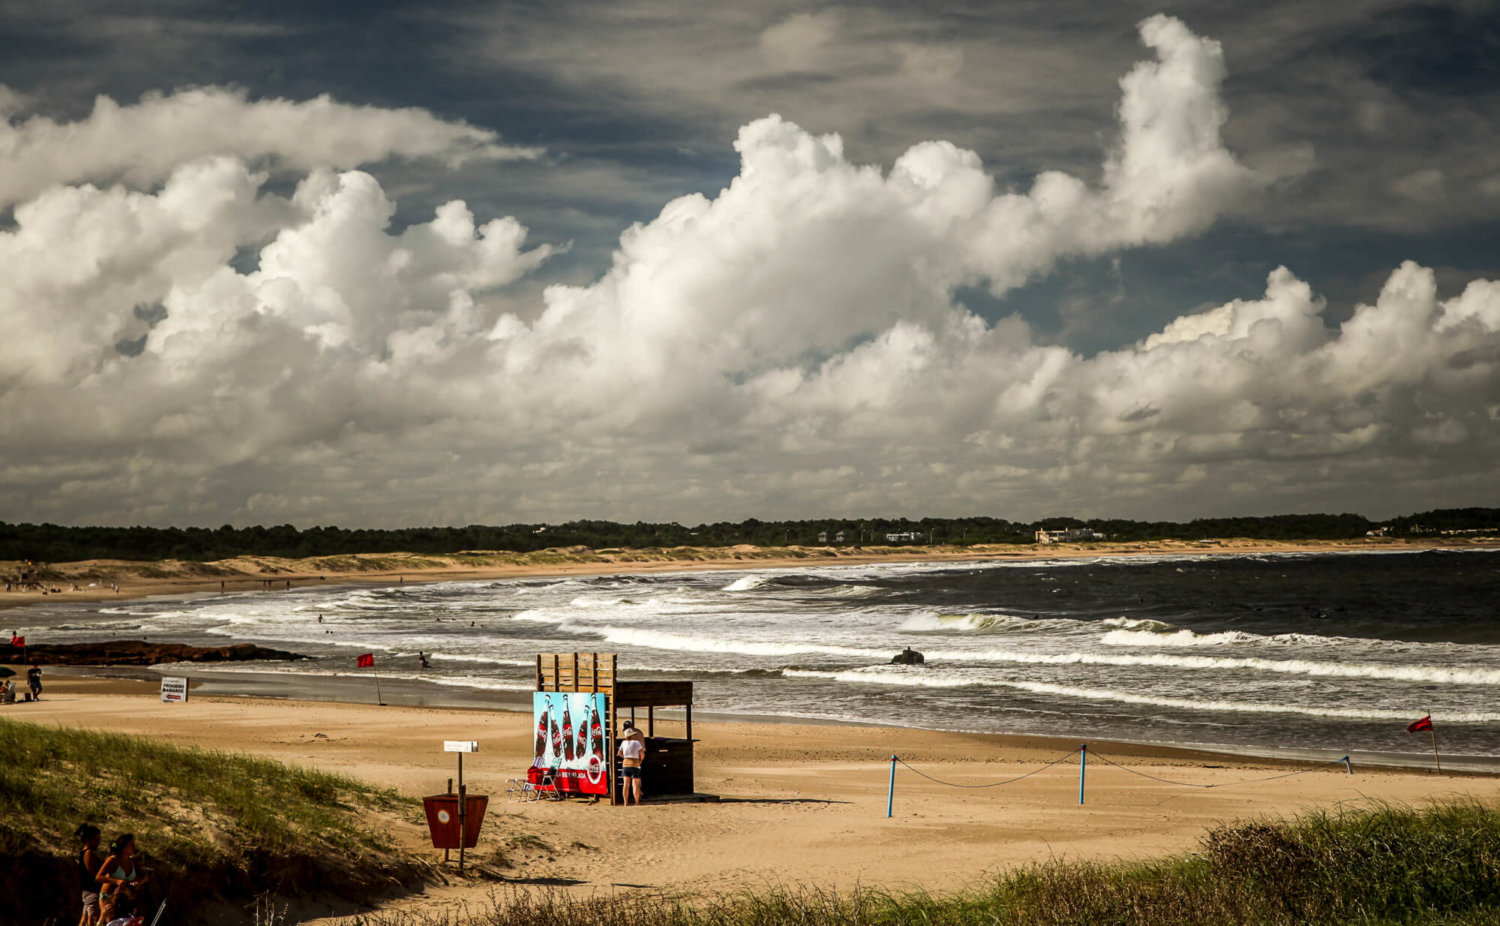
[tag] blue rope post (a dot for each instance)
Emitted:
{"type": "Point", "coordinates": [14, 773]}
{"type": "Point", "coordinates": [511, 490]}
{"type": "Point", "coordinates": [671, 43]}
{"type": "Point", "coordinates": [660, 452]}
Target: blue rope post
{"type": "Point", "coordinates": [1083, 766]}
{"type": "Point", "coordinates": [890, 794]}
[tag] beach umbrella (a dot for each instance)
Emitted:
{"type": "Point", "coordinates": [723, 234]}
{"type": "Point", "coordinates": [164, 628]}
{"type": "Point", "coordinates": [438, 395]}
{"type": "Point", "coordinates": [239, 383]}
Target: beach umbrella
{"type": "Point", "coordinates": [6, 673]}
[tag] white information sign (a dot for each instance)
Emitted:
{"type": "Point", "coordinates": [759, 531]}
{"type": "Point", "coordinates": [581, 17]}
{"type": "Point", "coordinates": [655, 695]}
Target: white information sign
{"type": "Point", "coordinates": [460, 746]}
{"type": "Point", "coordinates": [174, 689]}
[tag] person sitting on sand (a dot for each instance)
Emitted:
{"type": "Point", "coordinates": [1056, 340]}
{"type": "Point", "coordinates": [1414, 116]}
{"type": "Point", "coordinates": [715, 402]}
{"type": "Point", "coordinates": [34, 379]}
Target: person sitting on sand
{"type": "Point", "coordinates": [120, 878]}
{"type": "Point", "coordinates": [632, 754]}
{"type": "Point", "coordinates": [89, 863]}
{"type": "Point", "coordinates": [7, 692]}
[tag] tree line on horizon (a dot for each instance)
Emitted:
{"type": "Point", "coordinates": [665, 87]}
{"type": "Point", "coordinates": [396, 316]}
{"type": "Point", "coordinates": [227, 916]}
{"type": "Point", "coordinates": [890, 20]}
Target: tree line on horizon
{"type": "Point", "coordinates": [56, 543]}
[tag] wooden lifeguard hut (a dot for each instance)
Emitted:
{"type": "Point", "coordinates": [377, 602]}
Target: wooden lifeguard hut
{"type": "Point", "coordinates": [668, 766]}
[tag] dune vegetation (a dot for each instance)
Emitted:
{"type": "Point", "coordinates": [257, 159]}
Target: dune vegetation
{"type": "Point", "coordinates": [215, 827]}
{"type": "Point", "coordinates": [1381, 865]}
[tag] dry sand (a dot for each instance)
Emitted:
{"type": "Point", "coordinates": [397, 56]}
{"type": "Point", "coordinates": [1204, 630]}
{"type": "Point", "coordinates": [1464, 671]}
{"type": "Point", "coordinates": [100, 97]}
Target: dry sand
{"type": "Point", "coordinates": [799, 803]}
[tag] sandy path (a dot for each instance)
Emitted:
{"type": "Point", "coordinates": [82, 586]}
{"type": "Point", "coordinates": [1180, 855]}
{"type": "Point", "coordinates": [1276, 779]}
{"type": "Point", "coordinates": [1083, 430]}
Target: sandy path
{"type": "Point", "coordinates": [801, 803]}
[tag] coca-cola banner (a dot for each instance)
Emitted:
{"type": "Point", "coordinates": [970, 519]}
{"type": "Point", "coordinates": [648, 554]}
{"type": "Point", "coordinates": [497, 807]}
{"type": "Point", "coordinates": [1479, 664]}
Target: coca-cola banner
{"type": "Point", "coordinates": [570, 740]}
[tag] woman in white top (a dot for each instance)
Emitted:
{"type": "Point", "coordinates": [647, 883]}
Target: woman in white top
{"type": "Point", "coordinates": [632, 754]}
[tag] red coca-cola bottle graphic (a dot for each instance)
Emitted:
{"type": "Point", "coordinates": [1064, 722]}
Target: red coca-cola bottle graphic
{"type": "Point", "coordinates": [567, 734]}
{"type": "Point", "coordinates": [541, 734]}
{"type": "Point", "coordinates": [556, 740]}
{"type": "Point", "coordinates": [596, 736]}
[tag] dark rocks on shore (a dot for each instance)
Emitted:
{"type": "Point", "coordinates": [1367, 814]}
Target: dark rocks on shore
{"type": "Point", "coordinates": [136, 653]}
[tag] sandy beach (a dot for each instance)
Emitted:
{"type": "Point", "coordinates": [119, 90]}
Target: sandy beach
{"type": "Point", "coordinates": [798, 804]}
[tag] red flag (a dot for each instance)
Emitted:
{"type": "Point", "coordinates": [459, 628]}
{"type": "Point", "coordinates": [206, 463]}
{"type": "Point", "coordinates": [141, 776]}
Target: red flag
{"type": "Point", "coordinates": [366, 660]}
{"type": "Point", "coordinates": [1420, 725]}
{"type": "Point", "coordinates": [18, 641]}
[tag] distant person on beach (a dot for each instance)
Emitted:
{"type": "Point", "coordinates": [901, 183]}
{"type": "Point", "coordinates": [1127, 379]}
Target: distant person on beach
{"type": "Point", "coordinates": [89, 863]}
{"type": "Point", "coordinates": [422, 660]}
{"type": "Point", "coordinates": [34, 681]}
{"type": "Point", "coordinates": [120, 878]}
{"type": "Point", "coordinates": [632, 754]}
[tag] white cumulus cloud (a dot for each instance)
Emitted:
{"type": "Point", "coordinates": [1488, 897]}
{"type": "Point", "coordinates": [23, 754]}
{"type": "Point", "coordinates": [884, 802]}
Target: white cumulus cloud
{"type": "Point", "coordinates": [790, 346]}
{"type": "Point", "coordinates": [144, 142]}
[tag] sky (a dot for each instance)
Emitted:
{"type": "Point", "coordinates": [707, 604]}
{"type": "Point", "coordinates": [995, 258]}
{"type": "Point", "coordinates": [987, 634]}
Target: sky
{"type": "Point", "coordinates": [393, 264]}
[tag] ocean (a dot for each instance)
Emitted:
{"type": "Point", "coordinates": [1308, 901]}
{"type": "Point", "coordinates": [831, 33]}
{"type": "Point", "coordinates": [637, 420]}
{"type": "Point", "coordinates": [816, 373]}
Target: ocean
{"type": "Point", "coordinates": [1304, 655]}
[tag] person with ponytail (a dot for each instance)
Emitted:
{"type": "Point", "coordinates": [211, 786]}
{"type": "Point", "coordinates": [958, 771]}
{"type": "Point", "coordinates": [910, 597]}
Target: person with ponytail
{"type": "Point", "coordinates": [120, 877]}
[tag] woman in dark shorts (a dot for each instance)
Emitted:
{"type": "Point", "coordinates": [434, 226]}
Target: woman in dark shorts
{"type": "Point", "coordinates": [632, 754]}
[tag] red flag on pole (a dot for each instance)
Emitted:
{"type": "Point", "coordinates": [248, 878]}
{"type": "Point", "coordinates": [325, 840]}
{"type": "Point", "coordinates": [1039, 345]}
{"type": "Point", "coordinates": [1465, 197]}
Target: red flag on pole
{"type": "Point", "coordinates": [1420, 725]}
{"type": "Point", "coordinates": [18, 641]}
{"type": "Point", "coordinates": [366, 660]}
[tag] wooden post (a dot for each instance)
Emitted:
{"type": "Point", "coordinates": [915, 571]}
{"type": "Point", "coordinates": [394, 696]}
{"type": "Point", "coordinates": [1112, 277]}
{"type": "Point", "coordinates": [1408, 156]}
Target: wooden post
{"type": "Point", "coordinates": [690, 723]}
{"type": "Point", "coordinates": [609, 746]}
{"type": "Point", "coordinates": [1435, 760]}
{"type": "Point", "coordinates": [463, 808]}
{"type": "Point", "coordinates": [650, 720]}
{"type": "Point", "coordinates": [539, 672]}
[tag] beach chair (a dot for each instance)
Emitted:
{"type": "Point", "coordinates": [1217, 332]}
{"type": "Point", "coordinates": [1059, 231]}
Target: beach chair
{"type": "Point", "coordinates": [541, 784]}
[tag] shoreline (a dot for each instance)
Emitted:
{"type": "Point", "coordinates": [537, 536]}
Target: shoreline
{"type": "Point", "coordinates": [143, 579]}
{"type": "Point", "coordinates": [245, 684]}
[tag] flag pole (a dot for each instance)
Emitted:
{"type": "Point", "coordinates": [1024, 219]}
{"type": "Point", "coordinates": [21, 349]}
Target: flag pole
{"type": "Point", "coordinates": [1433, 730]}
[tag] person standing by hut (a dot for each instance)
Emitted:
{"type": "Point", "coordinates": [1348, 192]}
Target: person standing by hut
{"type": "Point", "coordinates": [632, 755]}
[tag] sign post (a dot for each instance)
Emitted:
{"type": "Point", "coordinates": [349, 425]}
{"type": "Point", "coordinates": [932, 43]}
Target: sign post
{"type": "Point", "coordinates": [174, 690]}
{"type": "Point", "coordinates": [461, 747]}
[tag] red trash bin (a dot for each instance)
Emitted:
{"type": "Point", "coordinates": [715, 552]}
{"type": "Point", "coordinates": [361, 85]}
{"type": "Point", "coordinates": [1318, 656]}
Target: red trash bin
{"type": "Point", "coordinates": [442, 819]}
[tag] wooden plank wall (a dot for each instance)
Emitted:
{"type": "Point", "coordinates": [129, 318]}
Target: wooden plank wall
{"type": "Point", "coordinates": [576, 672]}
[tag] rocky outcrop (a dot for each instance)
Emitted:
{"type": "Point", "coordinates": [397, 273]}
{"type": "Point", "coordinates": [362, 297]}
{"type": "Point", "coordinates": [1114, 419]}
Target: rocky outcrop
{"type": "Point", "coordinates": [135, 653]}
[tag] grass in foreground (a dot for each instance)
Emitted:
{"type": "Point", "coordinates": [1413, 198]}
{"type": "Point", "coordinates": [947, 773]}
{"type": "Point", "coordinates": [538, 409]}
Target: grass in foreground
{"type": "Point", "coordinates": [214, 818]}
{"type": "Point", "coordinates": [1385, 865]}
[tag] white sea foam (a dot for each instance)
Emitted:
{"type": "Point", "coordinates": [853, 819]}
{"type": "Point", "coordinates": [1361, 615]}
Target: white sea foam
{"type": "Point", "coordinates": [1136, 623]}
{"type": "Point", "coordinates": [925, 678]}
{"type": "Point", "coordinates": [1427, 674]}
{"type": "Point", "coordinates": [655, 639]}
{"type": "Point", "coordinates": [749, 583]}
{"type": "Point", "coordinates": [853, 591]}
{"type": "Point", "coordinates": [931, 620]}
{"type": "Point", "coordinates": [1176, 638]}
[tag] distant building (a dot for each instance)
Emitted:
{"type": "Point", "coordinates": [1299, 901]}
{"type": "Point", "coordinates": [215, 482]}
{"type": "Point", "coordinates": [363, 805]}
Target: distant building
{"type": "Point", "coordinates": [822, 536]}
{"type": "Point", "coordinates": [838, 537]}
{"type": "Point", "coordinates": [904, 537]}
{"type": "Point", "coordinates": [1069, 535]}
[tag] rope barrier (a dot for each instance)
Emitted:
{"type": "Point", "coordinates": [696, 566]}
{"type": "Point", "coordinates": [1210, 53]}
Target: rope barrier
{"type": "Point", "coordinates": [993, 784]}
{"type": "Point", "coordinates": [1224, 784]}
{"type": "Point", "coordinates": [1082, 753]}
